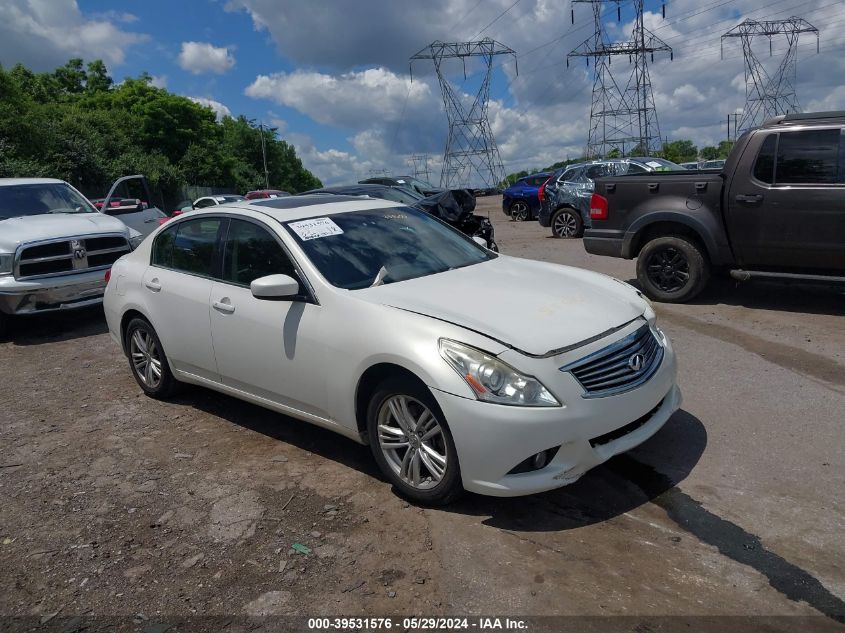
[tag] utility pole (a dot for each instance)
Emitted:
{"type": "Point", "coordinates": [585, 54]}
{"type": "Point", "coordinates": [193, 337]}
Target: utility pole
{"type": "Point", "coordinates": [264, 157]}
{"type": "Point", "coordinates": [471, 154]}
{"type": "Point", "coordinates": [735, 116]}
{"type": "Point", "coordinates": [767, 95]}
{"type": "Point", "coordinates": [621, 115]}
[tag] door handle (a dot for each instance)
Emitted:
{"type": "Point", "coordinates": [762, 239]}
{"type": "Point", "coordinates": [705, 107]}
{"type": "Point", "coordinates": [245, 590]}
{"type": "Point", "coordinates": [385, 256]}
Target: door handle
{"type": "Point", "coordinates": [153, 284]}
{"type": "Point", "coordinates": [228, 308]}
{"type": "Point", "coordinates": [749, 197]}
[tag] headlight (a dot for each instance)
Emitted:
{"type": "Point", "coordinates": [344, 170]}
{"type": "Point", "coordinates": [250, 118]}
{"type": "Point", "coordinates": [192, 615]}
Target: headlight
{"type": "Point", "coordinates": [494, 381]}
{"type": "Point", "coordinates": [6, 263]}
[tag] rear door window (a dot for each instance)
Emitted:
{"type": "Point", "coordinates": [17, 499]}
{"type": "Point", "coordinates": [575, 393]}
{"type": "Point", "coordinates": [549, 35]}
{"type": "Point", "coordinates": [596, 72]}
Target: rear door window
{"type": "Point", "coordinates": [194, 245]}
{"type": "Point", "coordinates": [810, 156]}
{"type": "Point", "coordinates": [764, 166]}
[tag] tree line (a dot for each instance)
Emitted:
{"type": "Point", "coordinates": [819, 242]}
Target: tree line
{"type": "Point", "coordinates": [681, 151]}
{"type": "Point", "coordinates": [76, 124]}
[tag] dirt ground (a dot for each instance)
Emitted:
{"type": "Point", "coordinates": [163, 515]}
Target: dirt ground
{"type": "Point", "coordinates": [113, 504]}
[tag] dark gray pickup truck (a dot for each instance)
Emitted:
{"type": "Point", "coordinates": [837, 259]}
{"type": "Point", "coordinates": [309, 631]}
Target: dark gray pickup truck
{"type": "Point", "coordinates": [776, 210]}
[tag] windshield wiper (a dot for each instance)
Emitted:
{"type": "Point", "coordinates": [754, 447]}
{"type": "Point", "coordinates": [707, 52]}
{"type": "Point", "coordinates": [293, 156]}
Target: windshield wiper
{"type": "Point", "coordinates": [379, 280]}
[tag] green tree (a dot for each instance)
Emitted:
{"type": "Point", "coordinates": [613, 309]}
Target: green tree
{"type": "Point", "coordinates": [709, 153]}
{"type": "Point", "coordinates": [97, 77]}
{"type": "Point", "coordinates": [724, 148]}
{"type": "Point", "coordinates": [681, 151]}
{"type": "Point", "coordinates": [71, 77]}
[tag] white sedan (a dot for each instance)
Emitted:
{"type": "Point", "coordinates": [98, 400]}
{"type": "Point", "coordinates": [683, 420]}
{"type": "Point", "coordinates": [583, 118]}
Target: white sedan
{"type": "Point", "coordinates": [463, 369]}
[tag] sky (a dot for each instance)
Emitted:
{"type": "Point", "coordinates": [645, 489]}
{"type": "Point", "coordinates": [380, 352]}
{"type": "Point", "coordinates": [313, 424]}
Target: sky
{"type": "Point", "coordinates": [333, 75]}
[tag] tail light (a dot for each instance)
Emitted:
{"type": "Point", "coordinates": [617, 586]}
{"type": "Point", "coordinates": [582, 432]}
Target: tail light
{"type": "Point", "coordinates": [598, 207]}
{"type": "Point", "coordinates": [162, 221]}
{"type": "Point", "coordinates": [541, 192]}
{"type": "Point", "coordinates": [107, 276]}
{"type": "Point", "coordinates": [175, 213]}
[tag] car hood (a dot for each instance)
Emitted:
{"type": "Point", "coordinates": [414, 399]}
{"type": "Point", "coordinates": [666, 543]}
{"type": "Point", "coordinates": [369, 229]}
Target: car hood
{"type": "Point", "coordinates": [534, 307]}
{"type": "Point", "coordinates": [33, 228]}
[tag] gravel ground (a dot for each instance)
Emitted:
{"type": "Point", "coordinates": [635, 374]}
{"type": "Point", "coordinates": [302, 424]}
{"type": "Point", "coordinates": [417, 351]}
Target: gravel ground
{"type": "Point", "coordinates": [114, 504]}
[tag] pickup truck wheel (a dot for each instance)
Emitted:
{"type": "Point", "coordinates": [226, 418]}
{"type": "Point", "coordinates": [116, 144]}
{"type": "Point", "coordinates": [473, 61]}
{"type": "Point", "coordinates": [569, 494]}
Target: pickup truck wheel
{"type": "Point", "coordinates": [672, 269]}
{"type": "Point", "coordinates": [411, 442]}
{"type": "Point", "coordinates": [520, 211]}
{"type": "Point", "coordinates": [2, 325]}
{"type": "Point", "coordinates": [147, 360]}
{"type": "Point", "coordinates": [567, 223]}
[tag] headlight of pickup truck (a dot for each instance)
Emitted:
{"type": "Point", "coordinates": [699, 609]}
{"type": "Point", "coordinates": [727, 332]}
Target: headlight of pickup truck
{"type": "Point", "coordinates": [494, 381]}
{"type": "Point", "coordinates": [6, 260]}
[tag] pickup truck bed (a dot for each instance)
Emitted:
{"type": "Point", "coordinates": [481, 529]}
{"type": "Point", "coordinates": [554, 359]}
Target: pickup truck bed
{"type": "Point", "coordinates": [776, 210]}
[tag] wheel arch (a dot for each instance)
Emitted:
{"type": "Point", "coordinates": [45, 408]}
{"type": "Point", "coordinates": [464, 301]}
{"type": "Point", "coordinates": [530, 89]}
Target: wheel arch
{"type": "Point", "coordinates": [666, 224]}
{"type": "Point", "coordinates": [369, 381]}
{"type": "Point", "coordinates": [131, 313]}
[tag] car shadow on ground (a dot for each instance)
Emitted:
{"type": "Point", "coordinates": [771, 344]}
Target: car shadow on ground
{"type": "Point", "coordinates": [53, 327]}
{"type": "Point", "coordinates": [283, 428]}
{"type": "Point", "coordinates": [607, 491]}
{"type": "Point", "coordinates": [614, 488]}
{"type": "Point", "coordinates": [769, 295]}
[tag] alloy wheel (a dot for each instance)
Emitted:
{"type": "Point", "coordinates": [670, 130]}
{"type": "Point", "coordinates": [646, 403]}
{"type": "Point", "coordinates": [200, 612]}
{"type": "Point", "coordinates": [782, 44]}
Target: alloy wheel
{"type": "Point", "coordinates": [668, 269]}
{"type": "Point", "coordinates": [146, 358]}
{"type": "Point", "coordinates": [412, 442]}
{"type": "Point", "coordinates": [565, 225]}
{"type": "Point", "coordinates": [519, 211]}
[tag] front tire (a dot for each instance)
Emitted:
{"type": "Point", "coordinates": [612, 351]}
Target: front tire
{"type": "Point", "coordinates": [567, 224]}
{"type": "Point", "coordinates": [412, 444]}
{"type": "Point", "coordinates": [148, 361]}
{"type": "Point", "coordinates": [672, 269]}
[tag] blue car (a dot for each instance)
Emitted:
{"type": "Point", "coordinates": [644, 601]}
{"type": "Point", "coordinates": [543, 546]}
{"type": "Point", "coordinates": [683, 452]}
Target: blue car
{"type": "Point", "coordinates": [520, 200]}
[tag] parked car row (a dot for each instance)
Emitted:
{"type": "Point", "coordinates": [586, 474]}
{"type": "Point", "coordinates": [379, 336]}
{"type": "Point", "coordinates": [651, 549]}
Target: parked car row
{"type": "Point", "coordinates": [560, 200]}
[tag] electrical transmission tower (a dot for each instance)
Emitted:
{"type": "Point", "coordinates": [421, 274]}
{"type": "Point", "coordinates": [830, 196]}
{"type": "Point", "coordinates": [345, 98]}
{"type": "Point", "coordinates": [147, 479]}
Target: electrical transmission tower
{"type": "Point", "coordinates": [419, 163]}
{"type": "Point", "coordinates": [767, 95]}
{"type": "Point", "coordinates": [471, 153]}
{"type": "Point", "coordinates": [622, 116]}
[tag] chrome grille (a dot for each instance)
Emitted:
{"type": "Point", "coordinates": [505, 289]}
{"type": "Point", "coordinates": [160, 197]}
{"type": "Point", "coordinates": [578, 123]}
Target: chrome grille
{"type": "Point", "coordinates": [69, 255]}
{"type": "Point", "coordinates": [619, 367]}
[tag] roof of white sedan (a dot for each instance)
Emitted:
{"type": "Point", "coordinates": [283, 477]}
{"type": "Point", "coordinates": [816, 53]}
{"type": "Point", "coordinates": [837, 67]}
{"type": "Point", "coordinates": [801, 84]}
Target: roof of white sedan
{"type": "Point", "coordinates": [301, 207]}
{"type": "Point", "coordinates": [5, 182]}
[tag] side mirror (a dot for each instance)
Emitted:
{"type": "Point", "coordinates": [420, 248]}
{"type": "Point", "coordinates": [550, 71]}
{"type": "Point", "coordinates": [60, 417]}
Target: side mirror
{"type": "Point", "coordinates": [479, 240]}
{"type": "Point", "coordinates": [274, 287]}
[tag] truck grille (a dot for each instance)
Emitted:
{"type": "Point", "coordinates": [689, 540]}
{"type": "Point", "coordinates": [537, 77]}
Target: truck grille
{"type": "Point", "coordinates": [619, 367]}
{"type": "Point", "coordinates": [69, 255]}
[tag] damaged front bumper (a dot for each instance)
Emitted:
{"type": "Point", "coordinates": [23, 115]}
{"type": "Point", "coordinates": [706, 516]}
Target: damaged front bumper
{"type": "Point", "coordinates": [52, 294]}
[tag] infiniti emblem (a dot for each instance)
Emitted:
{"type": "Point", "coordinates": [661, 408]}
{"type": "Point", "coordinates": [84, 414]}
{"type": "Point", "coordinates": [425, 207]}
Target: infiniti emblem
{"type": "Point", "coordinates": [636, 362]}
{"type": "Point", "coordinates": [78, 249]}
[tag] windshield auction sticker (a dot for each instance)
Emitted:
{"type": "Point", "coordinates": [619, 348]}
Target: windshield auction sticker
{"type": "Point", "coordinates": [315, 228]}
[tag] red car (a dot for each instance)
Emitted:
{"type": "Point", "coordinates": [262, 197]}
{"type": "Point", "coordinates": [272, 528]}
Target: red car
{"type": "Point", "coordinates": [265, 193]}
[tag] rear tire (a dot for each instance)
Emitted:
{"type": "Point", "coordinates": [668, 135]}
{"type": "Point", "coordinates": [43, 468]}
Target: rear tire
{"type": "Point", "coordinates": [567, 223]}
{"type": "Point", "coordinates": [672, 269]}
{"type": "Point", "coordinates": [520, 211]}
{"type": "Point", "coordinates": [412, 444]}
{"type": "Point", "coordinates": [147, 360]}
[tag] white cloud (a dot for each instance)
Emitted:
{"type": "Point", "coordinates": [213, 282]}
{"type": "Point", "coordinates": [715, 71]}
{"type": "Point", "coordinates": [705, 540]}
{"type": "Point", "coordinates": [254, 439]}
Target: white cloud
{"type": "Point", "coordinates": [44, 34]}
{"type": "Point", "coordinates": [202, 57]}
{"type": "Point", "coordinates": [546, 117]}
{"type": "Point", "coordinates": [116, 16]}
{"type": "Point", "coordinates": [159, 81]}
{"type": "Point", "coordinates": [219, 109]}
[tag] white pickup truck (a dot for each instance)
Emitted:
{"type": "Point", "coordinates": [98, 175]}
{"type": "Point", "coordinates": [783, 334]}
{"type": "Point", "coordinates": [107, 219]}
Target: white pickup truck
{"type": "Point", "coordinates": [54, 247]}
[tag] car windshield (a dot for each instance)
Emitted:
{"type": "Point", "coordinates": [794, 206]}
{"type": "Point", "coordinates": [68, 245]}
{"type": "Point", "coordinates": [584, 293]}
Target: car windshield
{"type": "Point", "coordinates": [660, 164]}
{"type": "Point", "coordinates": [397, 194]}
{"type": "Point", "coordinates": [40, 199]}
{"type": "Point", "coordinates": [350, 249]}
{"type": "Point", "coordinates": [417, 183]}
